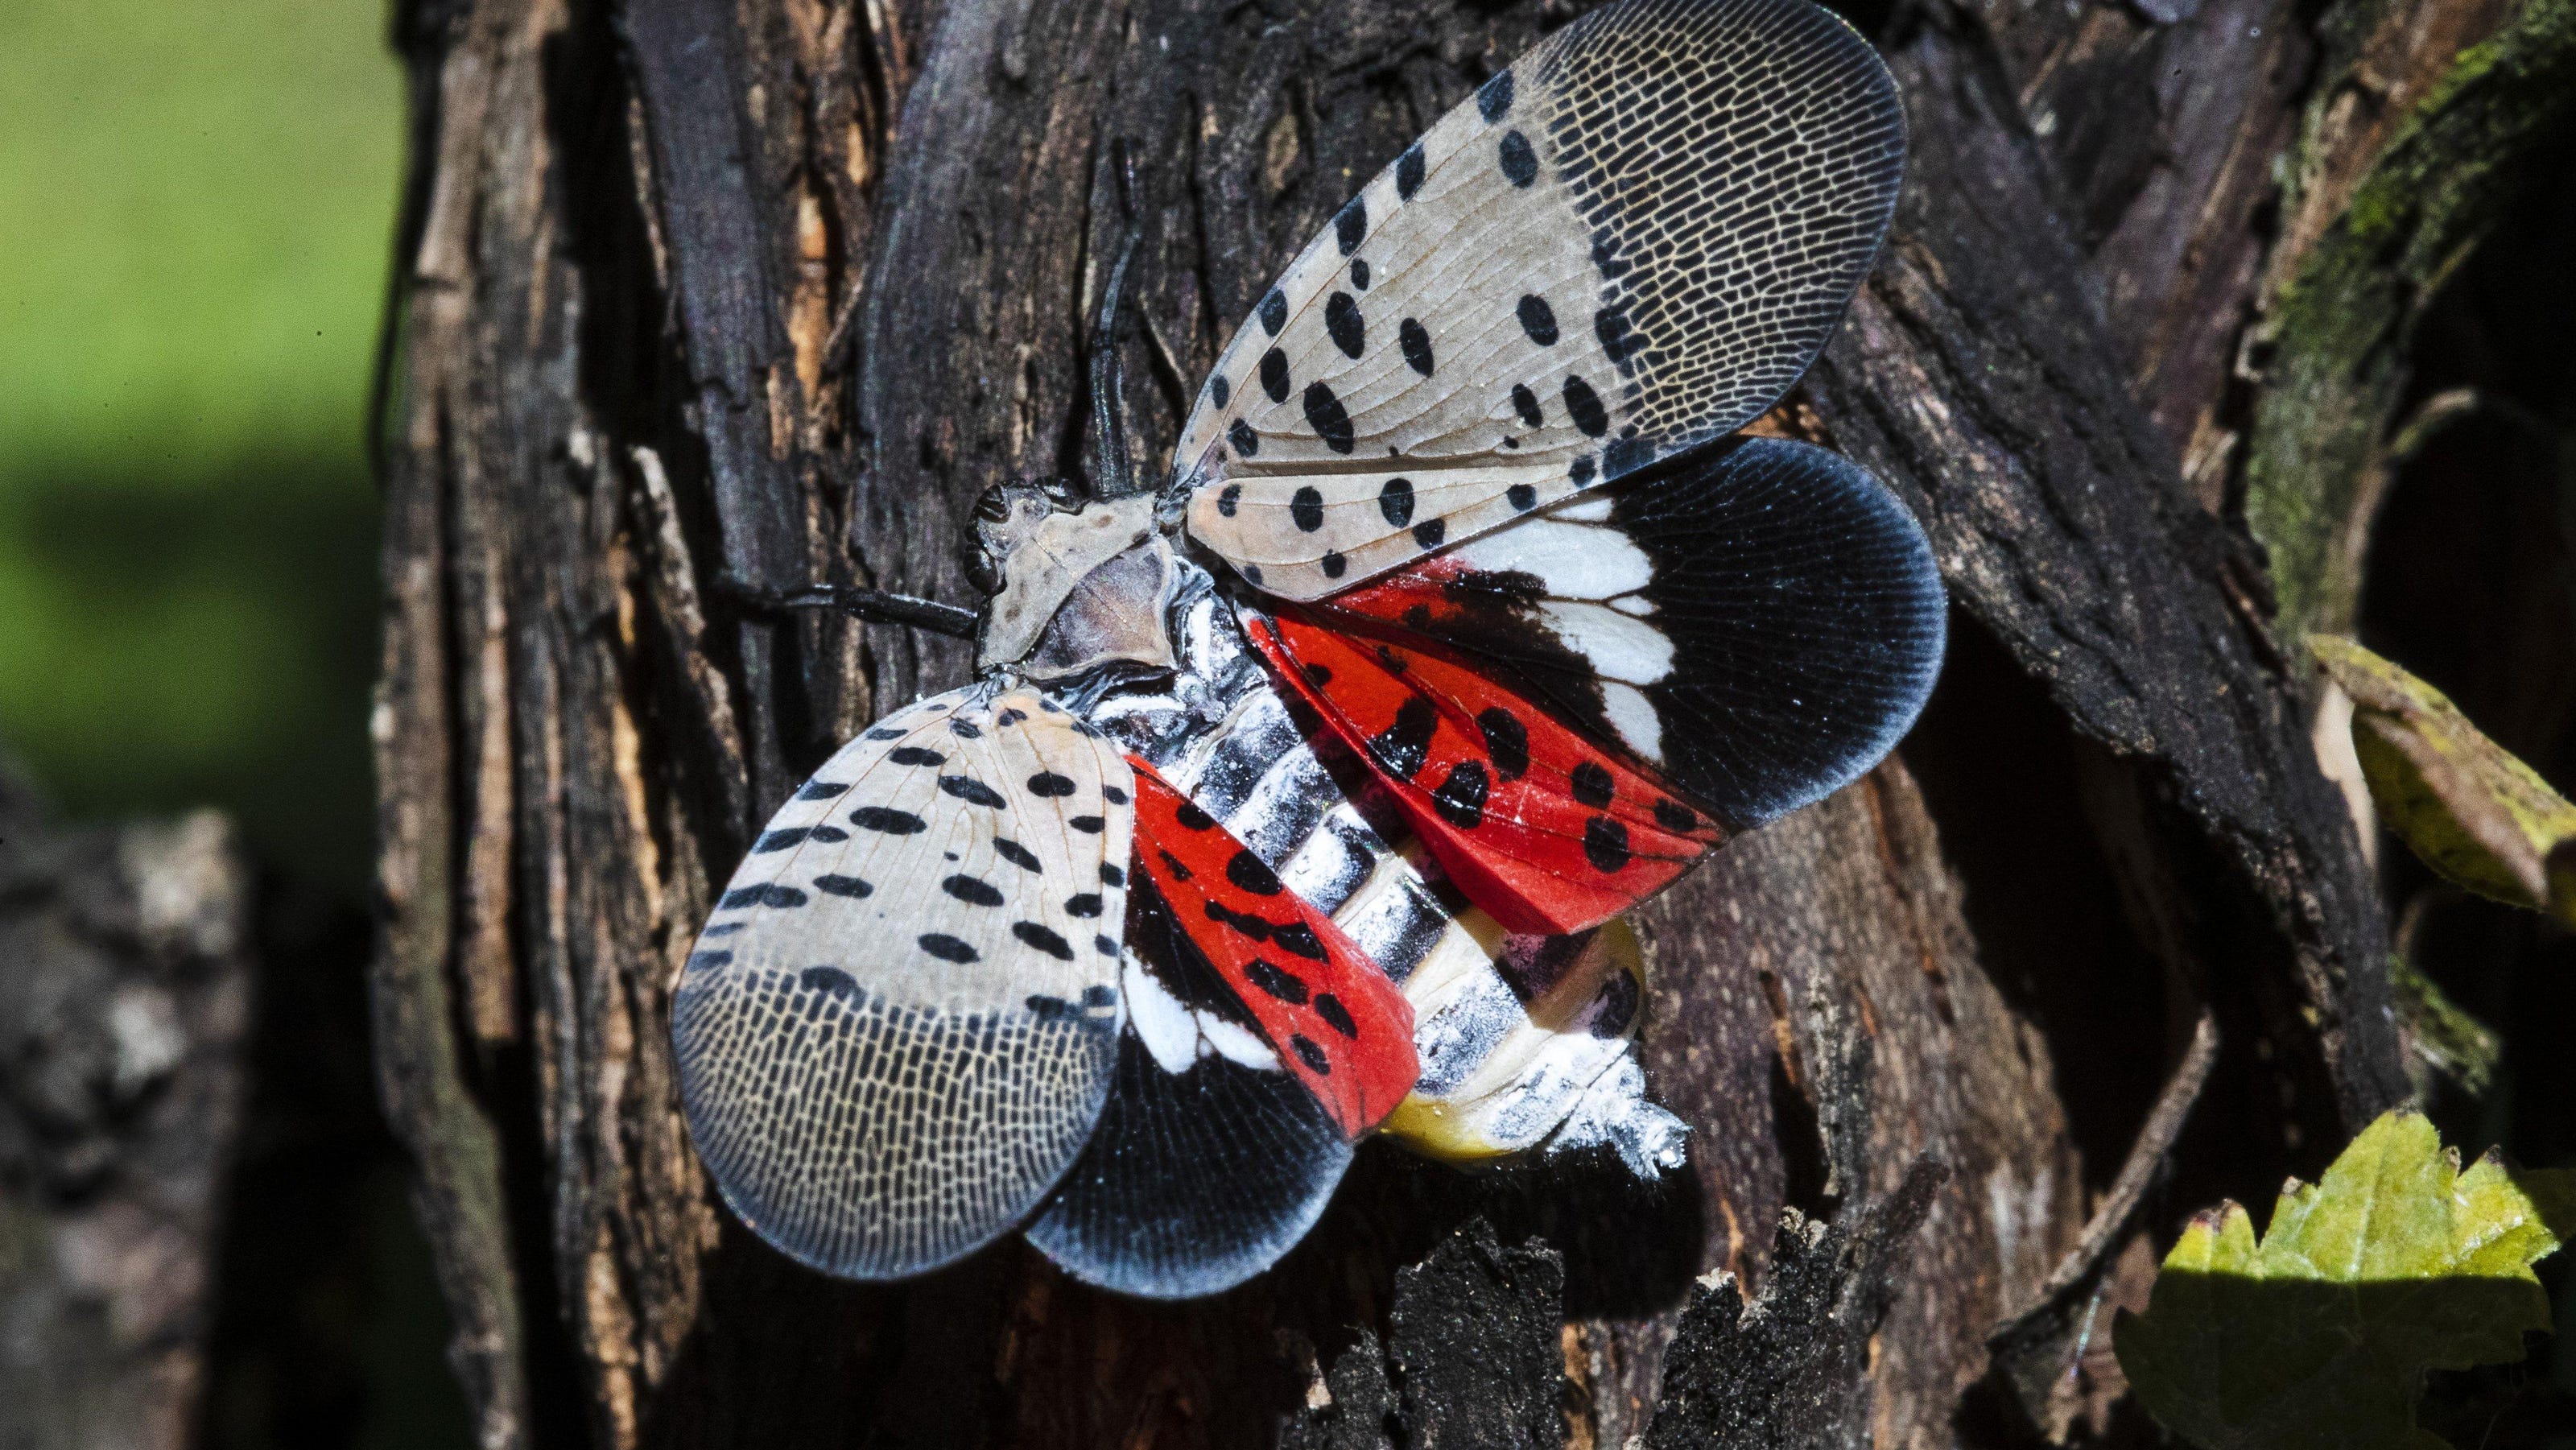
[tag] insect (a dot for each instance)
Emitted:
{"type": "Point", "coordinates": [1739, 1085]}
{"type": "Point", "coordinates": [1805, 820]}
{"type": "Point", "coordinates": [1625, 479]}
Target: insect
{"type": "Point", "coordinates": [1300, 796]}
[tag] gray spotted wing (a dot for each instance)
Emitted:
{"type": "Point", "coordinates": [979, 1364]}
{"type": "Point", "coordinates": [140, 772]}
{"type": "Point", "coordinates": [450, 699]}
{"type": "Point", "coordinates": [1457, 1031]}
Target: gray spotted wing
{"type": "Point", "coordinates": [900, 1024]}
{"type": "Point", "coordinates": [1630, 242]}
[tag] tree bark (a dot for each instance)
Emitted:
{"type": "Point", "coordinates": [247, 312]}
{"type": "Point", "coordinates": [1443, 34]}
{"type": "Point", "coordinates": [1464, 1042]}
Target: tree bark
{"type": "Point", "coordinates": [125, 1007]}
{"type": "Point", "coordinates": [695, 293]}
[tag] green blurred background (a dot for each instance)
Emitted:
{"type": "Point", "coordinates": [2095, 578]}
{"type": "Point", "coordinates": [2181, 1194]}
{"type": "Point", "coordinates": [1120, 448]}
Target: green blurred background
{"type": "Point", "coordinates": [195, 208]}
{"type": "Point", "coordinates": [196, 204]}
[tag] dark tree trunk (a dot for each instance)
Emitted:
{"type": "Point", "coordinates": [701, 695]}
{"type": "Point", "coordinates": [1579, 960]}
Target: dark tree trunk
{"type": "Point", "coordinates": [692, 290]}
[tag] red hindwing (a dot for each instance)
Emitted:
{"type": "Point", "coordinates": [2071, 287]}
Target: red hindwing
{"type": "Point", "coordinates": [1545, 830]}
{"type": "Point", "coordinates": [1331, 1015]}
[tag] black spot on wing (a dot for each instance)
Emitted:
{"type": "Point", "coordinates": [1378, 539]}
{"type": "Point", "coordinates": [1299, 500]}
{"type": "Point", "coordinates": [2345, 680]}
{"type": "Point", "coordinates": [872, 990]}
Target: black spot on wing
{"type": "Point", "coordinates": [1494, 98]}
{"type": "Point", "coordinates": [1460, 800]}
{"type": "Point", "coordinates": [1336, 1016]}
{"type": "Point", "coordinates": [888, 732]}
{"type": "Point", "coordinates": [1309, 1054]}
{"type": "Point", "coordinates": [1111, 876]}
{"type": "Point", "coordinates": [1017, 854]}
{"type": "Point", "coordinates": [838, 885]}
{"type": "Point", "coordinates": [970, 790]}
{"type": "Point", "coordinates": [1605, 844]}
{"type": "Point", "coordinates": [1086, 904]}
{"type": "Point", "coordinates": [823, 790]}
{"type": "Point", "coordinates": [1395, 501]}
{"type": "Point", "coordinates": [1219, 390]}
{"type": "Point", "coordinates": [1592, 784]}
{"type": "Point", "coordinates": [780, 840]}
{"type": "Point", "coordinates": [1429, 533]}
{"type": "Point", "coordinates": [1284, 985]}
{"type": "Point", "coordinates": [1350, 225]}
{"type": "Point", "coordinates": [1273, 312]}
{"type": "Point", "coordinates": [1520, 163]}
{"type": "Point", "coordinates": [1525, 403]}
{"type": "Point", "coordinates": [1088, 825]}
{"type": "Point", "coordinates": [1403, 745]}
{"type": "Point", "coordinates": [1538, 319]}
{"type": "Point", "coordinates": [915, 755]}
{"type": "Point", "coordinates": [1243, 923]}
{"type": "Point", "coordinates": [974, 891]}
{"type": "Point", "coordinates": [888, 820]}
{"type": "Point", "coordinates": [771, 895]}
{"type": "Point", "coordinates": [947, 948]}
{"type": "Point", "coordinates": [1274, 375]}
{"type": "Point", "coordinates": [1333, 564]}
{"type": "Point", "coordinates": [1675, 817]}
{"type": "Point", "coordinates": [1324, 414]}
{"type": "Point", "coordinates": [1042, 939]}
{"type": "Point", "coordinates": [1522, 497]}
{"type": "Point", "coordinates": [1297, 938]}
{"type": "Point", "coordinates": [1046, 784]}
{"type": "Point", "coordinates": [965, 729]}
{"type": "Point", "coordinates": [1584, 406]}
{"type": "Point", "coordinates": [1245, 441]}
{"type": "Point", "coordinates": [1343, 324]}
{"type": "Point", "coordinates": [1306, 509]}
{"type": "Point", "coordinates": [1408, 172]}
{"type": "Point", "coordinates": [1415, 341]}
{"type": "Point", "coordinates": [1251, 873]}
{"type": "Point", "coordinates": [1192, 818]}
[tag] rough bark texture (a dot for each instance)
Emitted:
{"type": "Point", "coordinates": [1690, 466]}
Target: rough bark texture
{"type": "Point", "coordinates": [125, 1002]}
{"type": "Point", "coordinates": [696, 293]}
{"type": "Point", "coordinates": [2433, 121]}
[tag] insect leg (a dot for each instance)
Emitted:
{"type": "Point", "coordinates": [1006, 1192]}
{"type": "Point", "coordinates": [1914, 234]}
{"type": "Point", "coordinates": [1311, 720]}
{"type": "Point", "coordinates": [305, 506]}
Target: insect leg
{"type": "Point", "coordinates": [876, 605]}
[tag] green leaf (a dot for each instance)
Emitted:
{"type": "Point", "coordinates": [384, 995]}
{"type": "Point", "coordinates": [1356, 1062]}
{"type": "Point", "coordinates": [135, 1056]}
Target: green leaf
{"type": "Point", "coordinates": [2320, 1334]}
{"type": "Point", "coordinates": [2473, 812]}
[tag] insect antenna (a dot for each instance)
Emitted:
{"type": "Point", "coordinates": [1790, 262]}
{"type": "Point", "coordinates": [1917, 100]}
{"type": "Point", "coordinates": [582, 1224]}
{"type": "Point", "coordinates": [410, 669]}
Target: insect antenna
{"type": "Point", "coordinates": [1108, 431]}
{"type": "Point", "coordinates": [875, 605]}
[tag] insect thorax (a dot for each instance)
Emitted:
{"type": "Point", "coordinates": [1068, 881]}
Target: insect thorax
{"type": "Point", "coordinates": [1081, 585]}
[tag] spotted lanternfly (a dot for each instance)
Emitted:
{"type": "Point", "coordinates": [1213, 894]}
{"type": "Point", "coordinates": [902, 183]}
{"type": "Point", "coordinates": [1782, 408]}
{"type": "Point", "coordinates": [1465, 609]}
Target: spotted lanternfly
{"type": "Point", "coordinates": [1301, 797]}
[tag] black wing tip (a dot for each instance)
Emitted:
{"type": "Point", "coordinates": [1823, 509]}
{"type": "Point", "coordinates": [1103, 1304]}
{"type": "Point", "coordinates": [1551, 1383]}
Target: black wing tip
{"type": "Point", "coordinates": [1193, 1184]}
{"type": "Point", "coordinates": [1910, 634]}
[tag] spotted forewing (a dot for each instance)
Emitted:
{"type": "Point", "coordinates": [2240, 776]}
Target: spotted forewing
{"type": "Point", "coordinates": [1629, 242]}
{"type": "Point", "coordinates": [899, 1024]}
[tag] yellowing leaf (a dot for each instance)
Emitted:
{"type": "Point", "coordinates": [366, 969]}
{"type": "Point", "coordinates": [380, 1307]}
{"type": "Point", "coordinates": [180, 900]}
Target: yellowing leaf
{"type": "Point", "coordinates": [2319, 1334]}
{"type": "Point", "coordinates": [2475, 814]}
